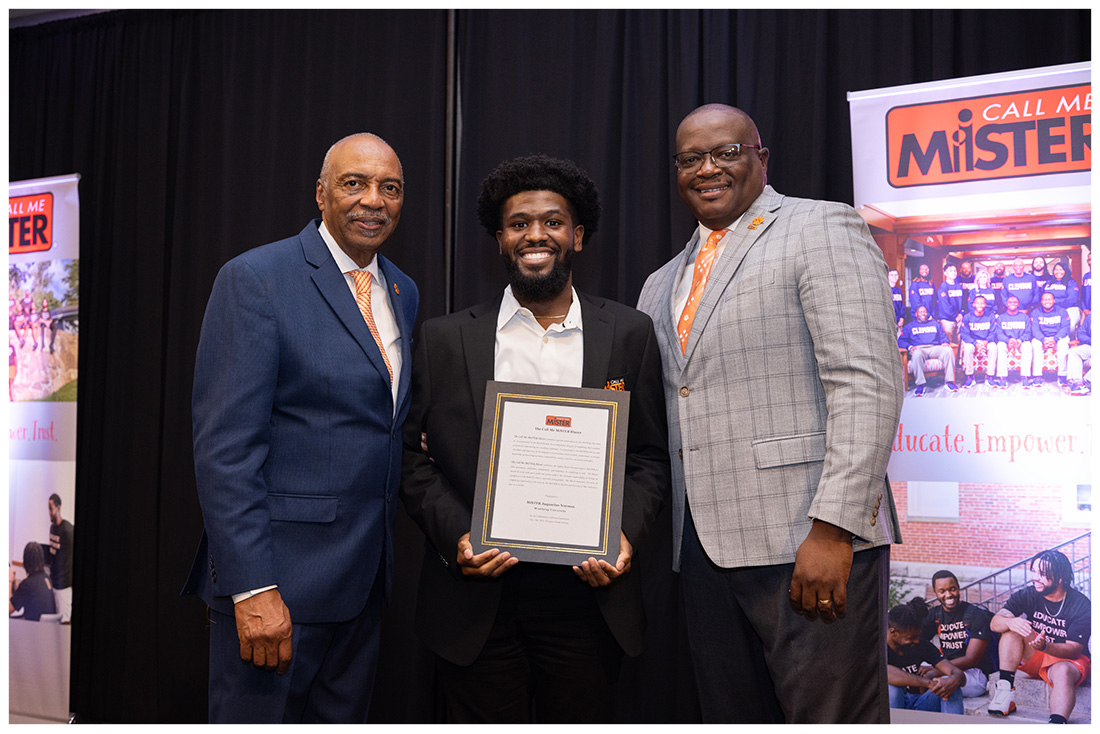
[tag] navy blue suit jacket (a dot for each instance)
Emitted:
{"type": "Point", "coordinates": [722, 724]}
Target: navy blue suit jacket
{"type": "Point", "coordinates": [297, 444]}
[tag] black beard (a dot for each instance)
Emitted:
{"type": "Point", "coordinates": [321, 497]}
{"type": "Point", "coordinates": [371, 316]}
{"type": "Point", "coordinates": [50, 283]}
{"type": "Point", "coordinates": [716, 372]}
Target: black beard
{"type": "Point", "coordinates": [538, 289]}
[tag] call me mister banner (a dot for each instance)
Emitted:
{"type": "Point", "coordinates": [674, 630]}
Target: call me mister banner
{"type": "Point", "coordinates": [43, 340]}
{"type": "Point", "coordinates": [992, 170]}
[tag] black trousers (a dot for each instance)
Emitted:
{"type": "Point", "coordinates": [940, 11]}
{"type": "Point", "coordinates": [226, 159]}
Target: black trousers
{"type": "Point", "coordinates": [756, 661]}
{"type": "Point", "coordinates": [550, 657]}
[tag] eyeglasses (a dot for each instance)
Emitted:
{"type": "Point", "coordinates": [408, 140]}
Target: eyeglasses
{"type": "Point", "coordinates": [723, 156]}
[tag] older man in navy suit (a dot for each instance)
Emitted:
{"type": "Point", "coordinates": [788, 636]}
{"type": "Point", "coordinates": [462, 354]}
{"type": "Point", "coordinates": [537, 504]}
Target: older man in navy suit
{"type": "Point", "coordinates": [301, 386]}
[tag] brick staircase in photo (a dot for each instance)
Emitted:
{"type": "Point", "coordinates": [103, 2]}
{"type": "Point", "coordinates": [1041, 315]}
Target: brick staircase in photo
{"type": "Point", "coordinates": [1032, 703]}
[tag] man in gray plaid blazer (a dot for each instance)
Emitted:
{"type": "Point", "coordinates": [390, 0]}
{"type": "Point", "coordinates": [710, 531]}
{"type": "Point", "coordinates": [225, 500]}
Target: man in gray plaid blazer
{"type": "Point", "coordinates": [783, 389]}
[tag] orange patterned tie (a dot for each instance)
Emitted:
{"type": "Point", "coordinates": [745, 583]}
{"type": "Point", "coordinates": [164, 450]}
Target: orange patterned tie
{"type": "Point", "coordinates": [698, 283]}
{"type": "Point", "coordinates": [362, 297]}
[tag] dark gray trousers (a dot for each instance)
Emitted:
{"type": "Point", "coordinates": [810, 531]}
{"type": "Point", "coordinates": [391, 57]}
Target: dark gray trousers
{"type": "Point", "coordinates": [756, 661]}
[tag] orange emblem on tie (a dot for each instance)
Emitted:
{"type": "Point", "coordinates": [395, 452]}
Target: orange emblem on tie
{"type": "Point", "coordinates": [362, 280]}
{"type": "Point", "coordinates": [703, 262]}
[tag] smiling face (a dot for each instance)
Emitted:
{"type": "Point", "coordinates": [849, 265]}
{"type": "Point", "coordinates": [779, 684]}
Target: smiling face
{"type": "Point", "coordinates": [947, 591]}
{"type": "Point", "coordinates": [718, 195]}
{"type": "Point", "coordinates": [950, 272]}
{"type": "Point", "coordinates": [901, 639]}
{"type": "Point", "coordinates": [924, 270]}
{"type": "Point", "coordinates": [360, 193]}
{"type": "Point", "coordinates": [1018, 266]}
{"type": "Point", "coordinates": [982, 277]}
{"type": "Point", "coordinates": [1059, 272]}
{"type": "Point", "coordinates": [892, 276]}
{"type": "Point", "coordinates": [1041, 580]}
{"type": "Point", "coordinates": [537, 241]}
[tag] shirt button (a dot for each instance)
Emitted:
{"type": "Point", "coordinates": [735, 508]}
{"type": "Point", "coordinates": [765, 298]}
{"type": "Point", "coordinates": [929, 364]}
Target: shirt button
{"type": "Point", "coordinates": [685, 391]}
{"type": "Point", "coordinates": [546, 340]}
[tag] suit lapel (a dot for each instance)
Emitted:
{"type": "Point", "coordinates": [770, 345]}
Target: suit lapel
{"type": "Point", "coordinates": [403, 326]}
{"type": "Point", "coordinates": [664, 323]}
{"type": "Point", "coordinates": [334, 288]}
{"type": "Point", "coordinates": [753, 224]}
{"type": "Point", "coordinates": [478, 336]}
{"type": "Point", "coordinates": [599, 331]}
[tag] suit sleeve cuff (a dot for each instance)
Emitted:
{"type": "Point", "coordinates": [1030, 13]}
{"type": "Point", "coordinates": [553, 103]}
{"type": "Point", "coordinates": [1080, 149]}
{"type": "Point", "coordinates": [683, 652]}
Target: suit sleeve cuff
{"type": "Point", "coordinates": [237, 598]}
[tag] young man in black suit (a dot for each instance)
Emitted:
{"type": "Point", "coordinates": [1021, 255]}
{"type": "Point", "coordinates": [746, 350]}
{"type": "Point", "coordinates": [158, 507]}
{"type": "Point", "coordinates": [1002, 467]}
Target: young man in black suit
{"type": "Point", "coordinates": [523, 642]}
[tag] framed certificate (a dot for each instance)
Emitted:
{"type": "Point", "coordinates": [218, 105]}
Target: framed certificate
{"type": "Point", "coordinates": [550, 472]}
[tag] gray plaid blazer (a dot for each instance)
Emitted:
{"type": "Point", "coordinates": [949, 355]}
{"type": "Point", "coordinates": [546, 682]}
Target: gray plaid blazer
{"type": "Point", "coordinates": [785, 406]}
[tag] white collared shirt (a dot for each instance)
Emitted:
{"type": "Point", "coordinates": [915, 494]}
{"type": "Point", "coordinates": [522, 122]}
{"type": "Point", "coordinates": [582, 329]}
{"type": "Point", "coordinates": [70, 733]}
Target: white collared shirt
{"type": "Point", "coordinates": [682, 289]}
{"type": "Point", "coordinates": [379, 303]}
{"type": "Point", "coordinates": [526, 352]}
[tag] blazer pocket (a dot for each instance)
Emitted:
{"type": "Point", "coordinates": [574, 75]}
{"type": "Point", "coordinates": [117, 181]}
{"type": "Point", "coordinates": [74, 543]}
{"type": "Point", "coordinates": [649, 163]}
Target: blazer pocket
{"type": "Point", "coordinates": [616, 383]}
{"type": "Point", "coordinates": [302, 507]}
{"type": "Point", "coordinates": [753, 279]}
{"type": "Point", "coordinates": [786, 450]}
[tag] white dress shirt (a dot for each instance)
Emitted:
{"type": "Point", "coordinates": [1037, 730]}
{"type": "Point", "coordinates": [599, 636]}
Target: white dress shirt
{"type": "Point", "coordinates": [526, 352]}
{"type": "Point", "coordinates": [683, 284]}
{"type": "Point", "coordinates": [379, 304]}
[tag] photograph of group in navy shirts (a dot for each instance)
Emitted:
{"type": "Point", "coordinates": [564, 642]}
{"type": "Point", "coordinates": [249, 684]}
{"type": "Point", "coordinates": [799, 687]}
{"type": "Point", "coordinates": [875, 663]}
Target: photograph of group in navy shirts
{"type": "Point", "coordinates": [1000, 325]}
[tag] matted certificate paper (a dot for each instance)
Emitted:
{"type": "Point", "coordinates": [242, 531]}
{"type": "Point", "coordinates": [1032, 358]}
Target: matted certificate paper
{"type": "Point", "coordinates": [550, 472]}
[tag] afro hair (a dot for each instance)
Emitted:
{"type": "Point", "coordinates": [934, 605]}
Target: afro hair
{"type": "Point", "coordinates": [539, 173]}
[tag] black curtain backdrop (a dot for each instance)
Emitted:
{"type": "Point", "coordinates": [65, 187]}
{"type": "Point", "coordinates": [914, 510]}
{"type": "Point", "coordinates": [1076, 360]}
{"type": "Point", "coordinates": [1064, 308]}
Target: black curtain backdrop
{"type": "Point", "coordinates": [198, 134]}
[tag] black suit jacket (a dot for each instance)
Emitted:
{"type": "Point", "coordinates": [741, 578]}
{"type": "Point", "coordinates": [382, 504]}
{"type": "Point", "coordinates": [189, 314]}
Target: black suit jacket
{"type": "Point", "coordinates": [453, 361]}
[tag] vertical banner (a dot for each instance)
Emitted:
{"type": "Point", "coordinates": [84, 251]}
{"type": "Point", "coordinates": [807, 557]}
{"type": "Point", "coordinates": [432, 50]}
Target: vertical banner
{"type": "Point", "coordinates": [978, 191]}
{"type": "Point", "coordinates": [43, 329]}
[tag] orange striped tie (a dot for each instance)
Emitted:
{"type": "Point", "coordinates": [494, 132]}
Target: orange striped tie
{"type": "Point", "coordinates": [362, 297]}
{"type": "Point", "coordinates": [698, 282]}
